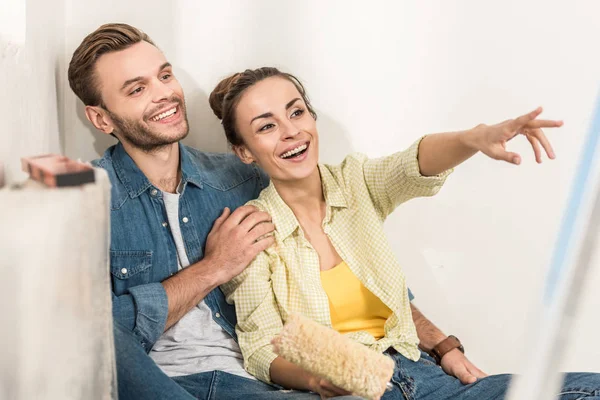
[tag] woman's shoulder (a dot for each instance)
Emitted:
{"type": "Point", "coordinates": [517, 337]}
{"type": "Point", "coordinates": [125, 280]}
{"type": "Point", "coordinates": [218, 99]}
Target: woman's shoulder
{"type": "Point", "coordinates": [351, 166]}
{"type": "Point", "coordinates": [350, 160]}
{"type": "Point", "coordinates": [264, 200]}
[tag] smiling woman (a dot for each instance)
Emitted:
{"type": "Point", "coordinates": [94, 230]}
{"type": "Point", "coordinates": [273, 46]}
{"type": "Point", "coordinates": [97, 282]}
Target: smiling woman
{"type": "Point", "coordinates": [256, 105]}
{"type": "Point", "coordinates": [329, 235]}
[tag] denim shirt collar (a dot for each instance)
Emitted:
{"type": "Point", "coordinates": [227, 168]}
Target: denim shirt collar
{"type": "Point", "coordinates": [135, 181]}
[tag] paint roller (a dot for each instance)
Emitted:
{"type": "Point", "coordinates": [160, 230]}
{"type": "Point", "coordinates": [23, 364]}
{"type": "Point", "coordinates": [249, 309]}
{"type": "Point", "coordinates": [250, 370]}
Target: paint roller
{"type": "Point", "coordinates": [330, 355]}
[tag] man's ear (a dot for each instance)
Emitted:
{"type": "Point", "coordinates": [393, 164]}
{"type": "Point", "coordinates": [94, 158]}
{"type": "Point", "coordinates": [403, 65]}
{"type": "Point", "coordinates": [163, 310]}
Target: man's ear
{"type": "Point", "coordinates": [243, 154]}
{"type": "Point", "coordinates": [99, 118]}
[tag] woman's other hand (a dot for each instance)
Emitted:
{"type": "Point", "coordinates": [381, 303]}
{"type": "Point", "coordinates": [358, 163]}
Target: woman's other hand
{"type": "Point", "coordinates": [325, 388]}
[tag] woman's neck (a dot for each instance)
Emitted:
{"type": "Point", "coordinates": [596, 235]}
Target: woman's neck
{"type": "Point", "coordinates": [304, 196]}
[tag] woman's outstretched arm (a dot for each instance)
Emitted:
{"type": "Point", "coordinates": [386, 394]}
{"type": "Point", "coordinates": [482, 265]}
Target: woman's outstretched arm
{"type": "Point", "coordinates": [442, 151]}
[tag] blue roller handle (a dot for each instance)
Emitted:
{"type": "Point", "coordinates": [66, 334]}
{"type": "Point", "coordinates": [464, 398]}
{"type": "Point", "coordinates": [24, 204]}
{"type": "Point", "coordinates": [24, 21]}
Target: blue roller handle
{"type": "Point", "coordinates": [558, 265]}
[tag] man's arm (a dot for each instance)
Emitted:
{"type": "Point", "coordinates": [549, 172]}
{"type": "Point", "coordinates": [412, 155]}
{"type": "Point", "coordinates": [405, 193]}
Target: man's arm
{"type": "Point", "coordinates": [454, 362]}
{"type": "Point", "coordinates": [187, 288]}
{"type": "Point", "coordinates": [232, 244]}
{"type": "Point", "coordinates": [429, 334]}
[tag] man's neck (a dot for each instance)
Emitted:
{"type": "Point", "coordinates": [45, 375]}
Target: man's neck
{"type": "Point", "coordinates": [160, 166]}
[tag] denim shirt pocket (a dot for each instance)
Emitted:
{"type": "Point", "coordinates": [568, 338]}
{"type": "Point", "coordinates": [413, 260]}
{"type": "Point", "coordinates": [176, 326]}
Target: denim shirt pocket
{"type": "Point", "coordinates": [129, 268]}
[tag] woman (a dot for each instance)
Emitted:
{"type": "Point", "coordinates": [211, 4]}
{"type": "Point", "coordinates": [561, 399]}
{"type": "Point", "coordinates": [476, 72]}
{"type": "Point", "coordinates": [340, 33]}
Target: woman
{"type": "Point", "coordinates": [331, 261]}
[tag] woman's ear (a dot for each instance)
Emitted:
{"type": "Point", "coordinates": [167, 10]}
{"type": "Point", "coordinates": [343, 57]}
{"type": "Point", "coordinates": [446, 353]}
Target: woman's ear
{"type": "Point", "coordinates": [243, 154]}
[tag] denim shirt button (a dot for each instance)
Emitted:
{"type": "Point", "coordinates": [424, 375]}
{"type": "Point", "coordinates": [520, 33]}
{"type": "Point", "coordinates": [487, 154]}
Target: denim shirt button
{"type": "Point", "coordinates": [185, 220]}
{"type": "Point", "coordinates": [218, 315]}
{"type": "Point", "coordinates": [123, 270]}
{"type": "Point", "coordinates": [164, 224]}
{"type": "Point", "coordinates": [154, 192]}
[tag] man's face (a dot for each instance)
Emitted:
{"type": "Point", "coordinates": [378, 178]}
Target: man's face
{"type": "Point", "coordinates": [143, 100]}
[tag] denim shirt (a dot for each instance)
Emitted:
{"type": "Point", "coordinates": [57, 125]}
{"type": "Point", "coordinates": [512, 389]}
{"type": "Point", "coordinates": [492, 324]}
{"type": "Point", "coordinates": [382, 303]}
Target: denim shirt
{"type": "Point", "coordinates": [142, 250]}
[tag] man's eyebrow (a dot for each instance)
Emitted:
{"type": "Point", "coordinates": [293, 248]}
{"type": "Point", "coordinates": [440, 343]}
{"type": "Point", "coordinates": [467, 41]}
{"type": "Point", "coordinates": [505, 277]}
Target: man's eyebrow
{"type": "Point", "coordinates": [141, 78]}
{"type": "Point", "coordinates": [132, 80]}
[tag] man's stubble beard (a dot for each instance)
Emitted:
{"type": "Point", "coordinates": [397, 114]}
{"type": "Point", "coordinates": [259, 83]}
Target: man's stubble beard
{"type": "Point", "coordinates": [140, 136]}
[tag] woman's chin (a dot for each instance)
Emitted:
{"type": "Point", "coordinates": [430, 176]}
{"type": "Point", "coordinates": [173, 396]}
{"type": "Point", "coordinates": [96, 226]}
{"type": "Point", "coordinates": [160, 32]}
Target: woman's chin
{"type": "Point", "coordinates": [292, 175]}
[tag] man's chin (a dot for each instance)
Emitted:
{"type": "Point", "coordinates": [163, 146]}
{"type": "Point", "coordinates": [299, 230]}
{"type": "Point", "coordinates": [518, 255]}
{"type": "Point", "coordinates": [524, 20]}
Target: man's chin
{"type": "Point", "coordinates": [170, 136]}
{"type": "Point", "coordinates": [173, 138]}
{"type": "Point", "coordinates": [152, 146]}
{"type": "Point", "coordinates": [184, 134]}
{"type": "Point", "coordinates": [170, 133]}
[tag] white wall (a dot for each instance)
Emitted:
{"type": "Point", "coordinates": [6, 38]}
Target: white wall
{"type": "Point", "coordinates": [380, 76]}
{"type": "Point", "coordinates": [30, 72]}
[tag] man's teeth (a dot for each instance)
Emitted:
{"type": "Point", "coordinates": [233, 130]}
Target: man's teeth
{"type": "Point", "coordinates": [165, 114]}
{"type": "Point", "coordinates": [294, 151]}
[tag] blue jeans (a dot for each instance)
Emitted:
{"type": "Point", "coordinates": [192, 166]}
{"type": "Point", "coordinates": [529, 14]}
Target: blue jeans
{"type": "Point", "coordinates": [139, 377]}
{"type": "Point", "coordinates": [425, 380]}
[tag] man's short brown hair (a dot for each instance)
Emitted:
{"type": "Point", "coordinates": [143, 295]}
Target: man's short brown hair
{"type": "Point", "coordinates": [106, 39]}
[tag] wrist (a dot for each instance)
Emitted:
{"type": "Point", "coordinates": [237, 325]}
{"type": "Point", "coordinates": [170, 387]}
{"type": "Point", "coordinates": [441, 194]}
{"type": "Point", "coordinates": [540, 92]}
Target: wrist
{"type": "Point", "coordinates": [208, 273]}
{"type": "Point", "coordinates": [311, 383]}
{"type": "Point", "coordinates": [439, 339]}
{"type": "Point", "coordinates": [444, 347]}
{"type": "Point", "coordinates": [427, 344]}
{"type": "Point", "coordinates": [472, 137]}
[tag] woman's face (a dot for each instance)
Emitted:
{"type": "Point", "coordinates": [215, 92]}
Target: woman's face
{"type": "Point", "coordinates": [279, 133]}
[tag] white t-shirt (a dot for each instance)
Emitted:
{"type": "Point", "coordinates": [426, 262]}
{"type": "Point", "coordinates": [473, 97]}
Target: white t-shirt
{"type": "Point", "coordinates": [196, 343]}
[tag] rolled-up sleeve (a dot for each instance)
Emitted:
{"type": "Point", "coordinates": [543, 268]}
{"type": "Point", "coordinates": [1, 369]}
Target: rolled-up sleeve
{"type": "Point", "coordinates": [397, 178]}
{"type": "Point", "coordinates": [259, 320]}
{"type": "Point", "coordinates": [144, 311]}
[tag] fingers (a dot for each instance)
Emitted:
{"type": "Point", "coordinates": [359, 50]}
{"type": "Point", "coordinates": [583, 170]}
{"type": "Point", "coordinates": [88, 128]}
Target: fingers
{"type": "Point", "coordinates": [219, 221]}
{"type": "Point", "coordinates": [543, 123]}
{"type": "Point", "coordinates": [253, 219]}
{"type": "Point", "coordinates": [476, 372]}
{"type": "Point", "coordinates": [337, 390]}
{"type": "Point", "coordinates": [327, 389]}
{"type": "Point", "coordinates": [507, 156]}
{"type": "Point", "coordinates": [526, 118]}
{"type": "Point", "coordinates": [263, 244]}
{"type": "Point", "coordinates": [240, 214]}
{"type": "Point", "coordinates": [536, 148]}
{"type": "Point", "coordinates": [327, 394]}
{"type": "Point", "coordinates": [541, 137]}
{"type": "Point", "coordinates": [260, 230]}
{"type": "Point", "coordinates": [465, 376]}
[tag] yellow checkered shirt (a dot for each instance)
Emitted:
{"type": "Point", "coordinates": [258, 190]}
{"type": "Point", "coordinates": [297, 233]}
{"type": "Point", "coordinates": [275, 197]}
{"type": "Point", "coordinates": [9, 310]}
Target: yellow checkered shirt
{"type": "Point", "coordinates": [360, 193]}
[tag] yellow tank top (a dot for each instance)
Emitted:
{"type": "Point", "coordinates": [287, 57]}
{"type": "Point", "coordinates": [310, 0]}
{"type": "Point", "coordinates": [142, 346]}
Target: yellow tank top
{"type": "Point", "coordinates": [352, 306]}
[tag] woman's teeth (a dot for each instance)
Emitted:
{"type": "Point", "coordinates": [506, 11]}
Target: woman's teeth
{"type": "Point", "coordinates": [294, 151]}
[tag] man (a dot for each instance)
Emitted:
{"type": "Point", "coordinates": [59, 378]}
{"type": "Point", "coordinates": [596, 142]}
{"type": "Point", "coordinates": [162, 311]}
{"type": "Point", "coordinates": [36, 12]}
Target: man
{"type": "Point", "coordinates": [174, 238]}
